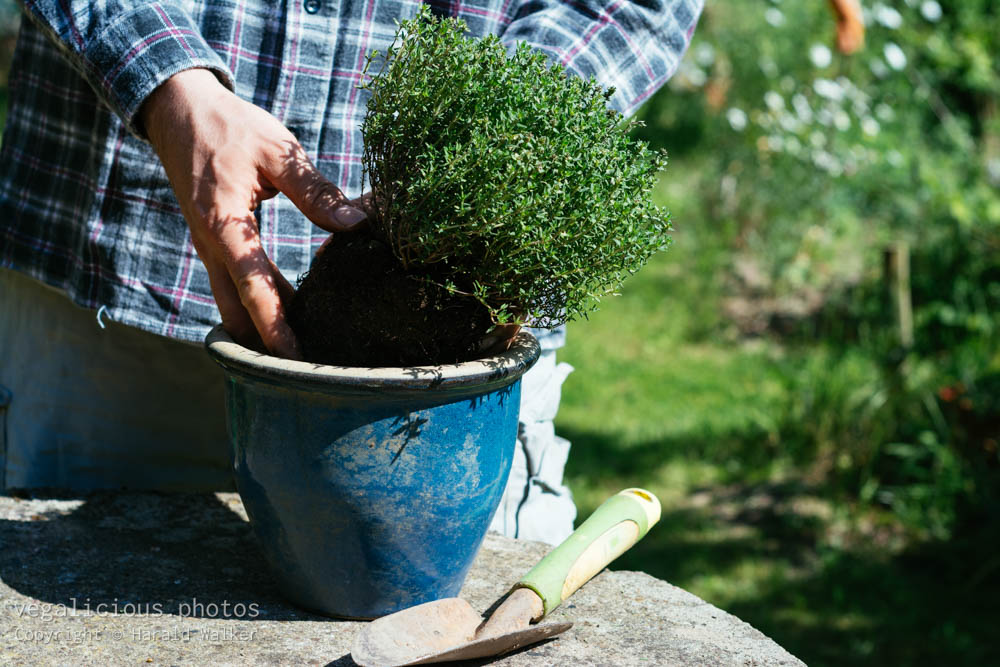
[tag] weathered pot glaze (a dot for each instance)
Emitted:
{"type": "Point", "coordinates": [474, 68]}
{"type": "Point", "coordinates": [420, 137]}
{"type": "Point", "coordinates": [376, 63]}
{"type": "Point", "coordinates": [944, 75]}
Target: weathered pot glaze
{"type": "Point", "coordinates": [370, 490]}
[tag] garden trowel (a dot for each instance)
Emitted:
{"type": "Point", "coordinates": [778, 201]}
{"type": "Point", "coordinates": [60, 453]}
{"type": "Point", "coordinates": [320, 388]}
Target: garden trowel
{"type": "Point", "coordinates": [450, 629]}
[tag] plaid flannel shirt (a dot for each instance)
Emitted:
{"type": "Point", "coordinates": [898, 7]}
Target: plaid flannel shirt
{"type": "Point", "coordinates": [84, 203]}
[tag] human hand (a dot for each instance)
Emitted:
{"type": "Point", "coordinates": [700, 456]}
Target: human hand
{"type": "Point", "coordinates": [362, 203]}
{"type": "Point", "coordinates": [224, 156]}
{"type": "Point", "coordinates": [499, 338]}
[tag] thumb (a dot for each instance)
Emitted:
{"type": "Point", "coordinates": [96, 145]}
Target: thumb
{"type": "Point", "coordinates": [320, 200]}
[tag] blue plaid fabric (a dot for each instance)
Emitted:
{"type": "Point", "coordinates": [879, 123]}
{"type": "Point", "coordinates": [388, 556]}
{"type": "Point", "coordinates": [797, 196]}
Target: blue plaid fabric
{"type": "Point", "coordinates": [84, 203]}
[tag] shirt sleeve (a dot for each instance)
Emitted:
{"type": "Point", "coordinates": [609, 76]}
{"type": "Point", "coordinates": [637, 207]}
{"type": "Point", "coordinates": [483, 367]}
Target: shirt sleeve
{"type": "Point", "coordinates": [633, 46]}
{"type": "Point", "coordinates": [126, 48]}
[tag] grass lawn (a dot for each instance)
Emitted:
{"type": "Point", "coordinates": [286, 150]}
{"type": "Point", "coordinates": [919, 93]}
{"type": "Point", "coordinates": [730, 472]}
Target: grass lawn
{"type": "Point", "coordinates": [703, 421]}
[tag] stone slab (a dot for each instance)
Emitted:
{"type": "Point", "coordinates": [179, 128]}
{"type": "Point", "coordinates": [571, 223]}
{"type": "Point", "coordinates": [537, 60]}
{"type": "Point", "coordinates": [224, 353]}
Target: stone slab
{"type": "Point", "coordinates": [138, 579]}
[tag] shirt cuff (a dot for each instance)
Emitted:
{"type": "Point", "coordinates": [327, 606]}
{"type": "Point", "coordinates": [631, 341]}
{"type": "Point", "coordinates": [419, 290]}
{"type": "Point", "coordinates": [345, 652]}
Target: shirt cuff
{"type": "Point", "coordinates": [141, 49]}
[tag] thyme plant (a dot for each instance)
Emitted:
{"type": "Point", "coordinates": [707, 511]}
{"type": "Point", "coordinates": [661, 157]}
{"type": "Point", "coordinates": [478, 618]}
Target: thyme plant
{"type": "Point", "coordinates": [503, 177]}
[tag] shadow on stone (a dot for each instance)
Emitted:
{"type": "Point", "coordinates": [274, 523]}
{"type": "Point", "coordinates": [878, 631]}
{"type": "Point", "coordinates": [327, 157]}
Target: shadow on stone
{"type": "Point", "coordinates": [539, 647]}
{"type": "Point", "coordinates": [145, 554]}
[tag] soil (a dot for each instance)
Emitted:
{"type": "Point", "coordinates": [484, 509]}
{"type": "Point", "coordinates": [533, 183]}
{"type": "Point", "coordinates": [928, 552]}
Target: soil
{"type": "Point", "coordinates": [357, 306]}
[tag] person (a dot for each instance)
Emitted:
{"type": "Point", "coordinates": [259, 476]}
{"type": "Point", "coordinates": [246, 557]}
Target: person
{"type": "Point", "coordinates": [850, 25]}
{"type": "Point", "coordinates": [145, 148]}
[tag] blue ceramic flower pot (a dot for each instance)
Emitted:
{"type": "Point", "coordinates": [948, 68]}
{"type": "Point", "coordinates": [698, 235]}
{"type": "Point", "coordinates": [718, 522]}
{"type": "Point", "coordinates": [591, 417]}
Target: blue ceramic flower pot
{"type": "Point", "coordinates": [370, 490]}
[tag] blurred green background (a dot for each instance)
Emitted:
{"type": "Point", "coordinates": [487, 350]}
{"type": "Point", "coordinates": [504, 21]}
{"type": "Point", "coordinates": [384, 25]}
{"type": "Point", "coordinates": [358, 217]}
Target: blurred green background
{"type": "Point", "coordinates": [827, 457]}
{"type": "Point", "coordinates": [821, 427]}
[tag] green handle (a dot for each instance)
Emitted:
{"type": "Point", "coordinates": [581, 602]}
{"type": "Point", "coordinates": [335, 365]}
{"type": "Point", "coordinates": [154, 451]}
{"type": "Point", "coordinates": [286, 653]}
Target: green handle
{"type": "Point", "coordinates": [610, 531]}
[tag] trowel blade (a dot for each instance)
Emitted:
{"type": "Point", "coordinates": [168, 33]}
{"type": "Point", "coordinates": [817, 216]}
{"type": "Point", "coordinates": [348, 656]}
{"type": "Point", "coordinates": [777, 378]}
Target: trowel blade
{"type": "Point", "coordinates": [496, 646]}
{"type": "Point", "coordinates": [439, 631]}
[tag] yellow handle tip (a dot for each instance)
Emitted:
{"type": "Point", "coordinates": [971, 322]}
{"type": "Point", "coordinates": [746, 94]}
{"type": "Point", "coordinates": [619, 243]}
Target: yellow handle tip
{"type": "Point", "coordinates": [650, 503]}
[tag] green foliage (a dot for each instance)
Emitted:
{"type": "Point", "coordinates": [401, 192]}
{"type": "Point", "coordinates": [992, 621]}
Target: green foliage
{"type": "Point", "coordinates": [507, 177]}
{"type": "Point", "coordinates": [824, 483]}
{"type": "Point", "coordinates": [803, 490]}
{"type": "Point", "coordinates": [809, 164]}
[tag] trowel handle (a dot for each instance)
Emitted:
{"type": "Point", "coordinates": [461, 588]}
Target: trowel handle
{"type": "Point", "coordinates": [610, 531]}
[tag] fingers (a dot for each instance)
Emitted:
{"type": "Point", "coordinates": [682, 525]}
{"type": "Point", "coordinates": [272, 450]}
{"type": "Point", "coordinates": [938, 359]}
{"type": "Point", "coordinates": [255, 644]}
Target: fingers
{"type": "Point", "coordinates": [321, 201]}
{"type": "Point", "coordinates": [327, 242]}
{"type": "Point", "coordinates": [224, 156]}
{"type": "Point", "coordinates": [235, 318]}
{"type": "Point", "coordinates": [499, 338]}
{"type": "Point", "coordinates": [249, 289]}
{"type": "Point", "coordinates": [213, 147]}
{"type": "Point", "coordinates": [251, 300]}
{"type": "Point", "coordinates": [285, 289]}
{"type": "Point", "coordinates": [364, 202]}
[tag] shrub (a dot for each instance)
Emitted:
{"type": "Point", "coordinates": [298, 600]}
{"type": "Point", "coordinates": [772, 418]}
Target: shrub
{"type": "Point", "coordinates": [805, 165]}
{"type": "Point", "coordinates": [504, 178]}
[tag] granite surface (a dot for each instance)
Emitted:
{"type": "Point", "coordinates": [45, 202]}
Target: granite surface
{"type": "Point", "coordinates": [140, 578]}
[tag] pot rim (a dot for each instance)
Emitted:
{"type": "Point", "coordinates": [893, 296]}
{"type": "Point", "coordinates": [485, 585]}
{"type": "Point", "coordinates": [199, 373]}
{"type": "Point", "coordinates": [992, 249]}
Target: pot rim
{"type": "Point", "coordinates": [488, 373]}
